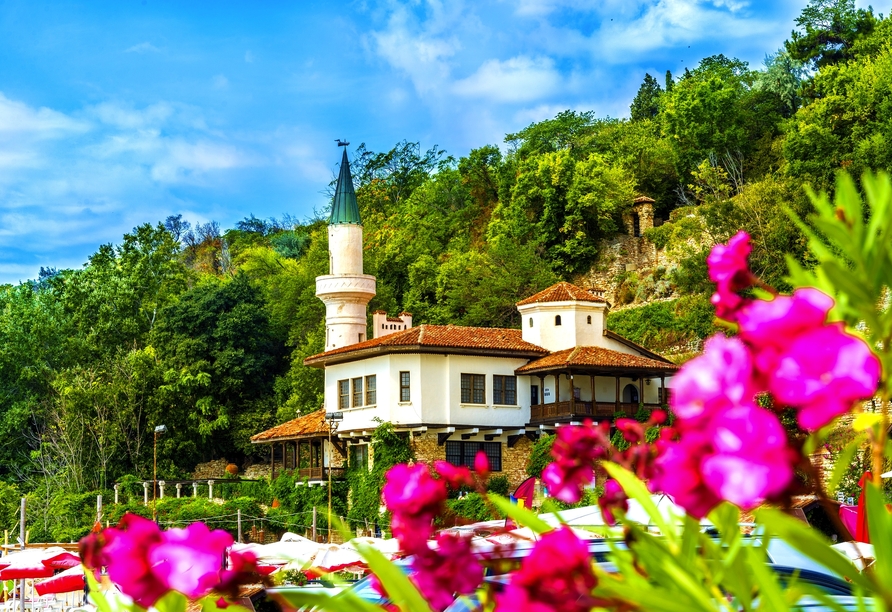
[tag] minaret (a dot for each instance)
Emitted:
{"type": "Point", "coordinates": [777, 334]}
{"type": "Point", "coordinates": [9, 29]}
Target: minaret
{"type": "Point", "coordinates": [345, 291]}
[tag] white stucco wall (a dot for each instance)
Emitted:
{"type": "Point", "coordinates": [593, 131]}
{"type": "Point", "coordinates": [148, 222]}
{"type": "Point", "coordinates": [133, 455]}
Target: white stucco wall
{"type": "Point", "coordinates": [345, 249]}
{"type": "Point", "coordinates": [435, 391]}
{"type": "Point", "coordinates": [574, 329]}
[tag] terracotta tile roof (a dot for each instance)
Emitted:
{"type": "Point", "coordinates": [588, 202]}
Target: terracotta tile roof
{"type": "Point", "coordinates": [486, 340]}
{"type": "Point", "coordinates": [303, 426]}
{"type": "Point", "coordinates": [595, 357]}
{"type": "Point", "coordinates": [562, 292]}
{"type": "Point", "coordinates": [643, 198]}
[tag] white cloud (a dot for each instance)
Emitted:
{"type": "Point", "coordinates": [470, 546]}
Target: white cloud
{"type": "Point", "coordinates": [519, 79]}
{"type": "Point", "coordinates": [249, 57]}
{"type": "Point", "coordinates": [18, 118]}
{"type": "Point", "coordinates": [220, 82]}
{"type": "Point", "coordinates": [120, 116]}
{"type": "Point", "coordinates": [143, 47]}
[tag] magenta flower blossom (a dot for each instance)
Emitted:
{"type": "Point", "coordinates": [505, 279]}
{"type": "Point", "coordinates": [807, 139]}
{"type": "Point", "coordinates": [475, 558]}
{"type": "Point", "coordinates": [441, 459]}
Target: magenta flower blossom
{"type": "Point", "coordinates": [448, 571]}
{"type": "Point", "coordinates": [719, 378]}
{"type": "Point", "coordinates": [190, 560]}
{"type": "Point", "coordinates": [414, 498]}
{"type": "Point", "coordinates": [481, 465]}
{"type": "Point", "coordinates": [678, 475]}
{"type": "Point", "coordinates": [748, 462]}
{"type": "Point", "coordinates": [575, 449]}
{"type": "Point", "coordinates": [455, 476]}
{"type": "Point", "coordinates": [614, 498]}
{"type": "Point", "coordinates": [556, 577]}
{"type": "Point", "coordinates": [729, 270]}
{"type": "Point", "coordinates": [126, 557]}
{"type": "Point", "coordinates": [823, 372]}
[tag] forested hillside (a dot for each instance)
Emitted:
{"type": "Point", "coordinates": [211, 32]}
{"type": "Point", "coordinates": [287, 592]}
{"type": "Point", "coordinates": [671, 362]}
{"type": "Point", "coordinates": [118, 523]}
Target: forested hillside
{"type": "Point", "coordinates": [205, 329]}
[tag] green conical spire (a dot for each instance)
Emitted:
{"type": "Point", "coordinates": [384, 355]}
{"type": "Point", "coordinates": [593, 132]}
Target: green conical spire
{"type": "Point", "coordinates": [344, 208]}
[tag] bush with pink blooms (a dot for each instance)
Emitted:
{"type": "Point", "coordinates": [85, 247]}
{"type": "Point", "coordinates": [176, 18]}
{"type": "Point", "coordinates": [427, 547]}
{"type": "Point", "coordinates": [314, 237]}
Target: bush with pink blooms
{"type": "Point", "coordinates": [817, 353]}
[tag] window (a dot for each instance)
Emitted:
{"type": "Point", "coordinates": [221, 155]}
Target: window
{"type": "Point", "coordinates": [359, 455]}
{"type": "Point", "coordinates": [343, 394]}
{"type": "Point", "coordinates": [404, 387]}
{"type": "Point", "coordinates": [473, 389]}
{"type": "Point", "coordinates": [371, 390]}
{"type": "Point", "coordinates": [557, 319]}
{"type": "Point", "coordinates": [504, 390]}
{"type": "Point", "coordinates": [531, 321]}
{"type": "Point", "coordinates": [588, 319]}
{"type": "Point", "coordinates": [357, 392]}
{"type": "Point", "coordinates": [534, 395]}
{"type": "Point", "coordinates": [463, 453]}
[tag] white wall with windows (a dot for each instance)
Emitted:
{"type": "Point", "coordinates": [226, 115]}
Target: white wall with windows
{"type": "Point", "coordinates": [605, 388]}
{"type": "Point", "coordinates": [433, 394]}
{"type": "Point", "coordinates": [562, 325]}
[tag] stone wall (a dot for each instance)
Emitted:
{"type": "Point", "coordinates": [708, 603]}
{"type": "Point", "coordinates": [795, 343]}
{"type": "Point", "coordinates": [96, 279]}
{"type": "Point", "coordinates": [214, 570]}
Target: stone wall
{"type": "Point", "coordinates": [514, 460]}
{"type": "Point", "coordinates": [210, 470]}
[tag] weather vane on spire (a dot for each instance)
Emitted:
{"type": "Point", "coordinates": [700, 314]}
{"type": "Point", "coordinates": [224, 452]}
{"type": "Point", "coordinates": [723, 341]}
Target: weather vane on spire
{"type": "Point", "coordinates": [342, 143]}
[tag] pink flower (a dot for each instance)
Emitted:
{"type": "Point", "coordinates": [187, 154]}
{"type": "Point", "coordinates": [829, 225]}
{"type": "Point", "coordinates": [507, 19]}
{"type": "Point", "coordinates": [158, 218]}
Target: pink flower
{"type": "Point", "coordinates": [126, 556]}
{"type": "Point", "coordinates": [748, 462]}
{"type": "Point", "coordinates": [631, 430]}
{"type": "Point", "coordinates": [719, 378]}
{"type": "Point", "coordinates": [575, 449]}
{"type": "Point", "coordinates": [414, 497]}
{"type": "Point", "coordinates": [449, 570]}
{"type": "Point", "coordinates": [729, 270]}
{"type": "Point", "coordinates": [823, 372]}
{"type": "Point", "coordinates": [613, 498]}
{"type": "Point", "coordinates": [677, 473]}
{"type": "Point", "coordinates": [481, 465]}
{"type": "Point", "coordinates": [455, 476]}
{"type": "Point", "coordinates": [557, 576]}
{"type": "Point", "coordinates": [190, 560]}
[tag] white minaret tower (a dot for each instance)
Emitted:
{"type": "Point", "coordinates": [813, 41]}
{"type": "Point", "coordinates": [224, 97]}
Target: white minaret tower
{"type": "Point", "coordinates": [345, 291]}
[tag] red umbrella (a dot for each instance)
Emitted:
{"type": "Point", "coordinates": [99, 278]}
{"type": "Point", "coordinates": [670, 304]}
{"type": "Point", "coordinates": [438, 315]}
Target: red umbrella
{"type": "Point", "coordinates": [65, 582]}
{"type": "Point", "coordinates": [861, 533]}
{"type": "Point", "coordinates": [36, 563]}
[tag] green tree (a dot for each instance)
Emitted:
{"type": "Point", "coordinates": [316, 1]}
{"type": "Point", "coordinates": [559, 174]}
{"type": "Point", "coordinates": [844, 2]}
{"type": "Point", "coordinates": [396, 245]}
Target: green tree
{"type": "Point", "coordinates": [646, 104]}
{"type": "Point", "coordinates": [829, 30]}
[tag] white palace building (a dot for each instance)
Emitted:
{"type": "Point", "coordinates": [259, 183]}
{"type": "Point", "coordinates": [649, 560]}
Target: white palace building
{"type": "Point", "coordinates": [456, 390]}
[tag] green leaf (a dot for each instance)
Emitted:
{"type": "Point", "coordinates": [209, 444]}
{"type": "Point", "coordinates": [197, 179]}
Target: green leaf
{"type": "Point", "coordinates": [519, 514]}
{"type": "Point", "coordinates": [172, 601]}
{"type": "Point", "coordinates": [399, 588]}
{"type": "Point", "coordinates": [809, 542]}
{"type": "Point", "coordinates": [97, 595]}
{"type": "Point", "coordinates": [843, 462]}
{"type": "Point", "coordinates": [879, 524]}
{"type": "Point", "coordinates": [636, 490]}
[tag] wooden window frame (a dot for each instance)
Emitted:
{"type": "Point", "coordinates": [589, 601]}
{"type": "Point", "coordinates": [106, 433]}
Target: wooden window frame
{"type": "Point", "coordinates": [501, 394]}
{"type": "Point", "coordinates": [405, 386]}
{"type": "Point", "coordinates": [474, 390]}
{"type": "Point", "coordinates": [343, 394]}
{"type": "Point", "coordinates": [357, 396]}
{"type": "Point", "coordinates": [371, 390]}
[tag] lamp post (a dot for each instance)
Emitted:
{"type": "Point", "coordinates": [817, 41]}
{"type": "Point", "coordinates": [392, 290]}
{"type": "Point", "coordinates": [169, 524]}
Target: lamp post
{"type": "Point", "coordinates": [333, 419]}
{"type": "Point", "coordinates": [160, 429]}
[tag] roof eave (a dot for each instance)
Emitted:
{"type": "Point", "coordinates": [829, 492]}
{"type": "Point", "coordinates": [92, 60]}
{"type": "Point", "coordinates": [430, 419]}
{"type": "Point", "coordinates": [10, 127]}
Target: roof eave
{"type": "Point", "coordinates": [321, 361]}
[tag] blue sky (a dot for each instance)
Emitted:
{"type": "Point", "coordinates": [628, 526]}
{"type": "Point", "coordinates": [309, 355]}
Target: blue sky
{"type": "Point", "coordinates": [118, 113]}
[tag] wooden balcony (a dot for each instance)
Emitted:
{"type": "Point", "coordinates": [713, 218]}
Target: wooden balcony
{"type": "Point", "coordinates": [563, 411]}
{"type": "Point", "coordinates": [318, 473]}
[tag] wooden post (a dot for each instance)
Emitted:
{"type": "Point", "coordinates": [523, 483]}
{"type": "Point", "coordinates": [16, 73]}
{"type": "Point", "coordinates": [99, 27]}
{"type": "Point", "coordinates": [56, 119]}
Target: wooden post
{"type": "Point", "coordinates": [616, 408]}
{"type": "Point", "coordinates": [664, 399]}
{"type": "Point", "coordinates": [594, 398]}
{"type": "Point", "coordinates": [272, 462]}
{"type": "Point", "coordinates": [23, 536]}
{"type": "Point", "coordinates": [239, 518]}
{"type": "Point", "coordinates": [314, 523]}
{"type": "Point", "coordinates": [572, 392]}
{"type": "Point", "coordinates": [640, 390]}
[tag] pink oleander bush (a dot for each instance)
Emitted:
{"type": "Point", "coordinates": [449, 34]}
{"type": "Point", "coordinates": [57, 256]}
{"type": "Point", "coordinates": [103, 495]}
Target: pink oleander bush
{"type": "Point", "coordinates": [726, 450]}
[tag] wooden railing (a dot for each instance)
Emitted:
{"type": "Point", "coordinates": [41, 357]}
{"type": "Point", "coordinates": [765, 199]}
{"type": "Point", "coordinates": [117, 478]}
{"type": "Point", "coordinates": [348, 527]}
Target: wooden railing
{"type": "Point", "coordinates": [318, 473]}
{"type": "Point", "coordinates": [542, 413]}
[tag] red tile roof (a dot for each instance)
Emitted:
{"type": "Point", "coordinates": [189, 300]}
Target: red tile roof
{"type": "Point", "coordinates": [562, 292]}
{"type": "Point", "coordinates": [309, 425]}
{"type": "Point", "coordinates": [593, 357]}
{"type": "Point", "coordinates": [485, 340]}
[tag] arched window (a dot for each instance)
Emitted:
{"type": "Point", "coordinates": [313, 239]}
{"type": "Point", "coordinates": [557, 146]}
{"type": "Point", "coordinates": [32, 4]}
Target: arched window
{"type": "Point", "coordinates": [588, 319]}
{"type": "Point", "coordinates": [531, 321]}
{"type": "Point", "coordinates": [557, 319]}
{"type": "Point", "coordinates": [630, 394]}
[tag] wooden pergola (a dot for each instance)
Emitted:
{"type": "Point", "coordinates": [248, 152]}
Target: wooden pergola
{"type": "Point", "coordinates": [302, 442]}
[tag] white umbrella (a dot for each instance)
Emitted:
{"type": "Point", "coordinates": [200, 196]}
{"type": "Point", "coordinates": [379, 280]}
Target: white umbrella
{"type": "Point", "coordinates": [590, 516]}
{"type": "Point", "coordinates": [861, 554]}
{"type": "Point", "coordinates": [388, 547]}
{"type": "Point", "coordinates": [280, 553]}
{"type": "Point", "coordinates": [333, 558]}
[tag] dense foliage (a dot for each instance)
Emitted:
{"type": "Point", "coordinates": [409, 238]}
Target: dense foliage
{"type": "Point", "coordinates": [205, 330]}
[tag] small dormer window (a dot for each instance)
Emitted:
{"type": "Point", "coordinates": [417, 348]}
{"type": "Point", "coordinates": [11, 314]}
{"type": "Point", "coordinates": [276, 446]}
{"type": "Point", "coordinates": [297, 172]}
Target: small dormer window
{"type": "Point", "coordinates": [531, 321]}
{"type": "Point", "coordinates": [557, 319]}
{"type": "Point", "coordinates": [588, 319]}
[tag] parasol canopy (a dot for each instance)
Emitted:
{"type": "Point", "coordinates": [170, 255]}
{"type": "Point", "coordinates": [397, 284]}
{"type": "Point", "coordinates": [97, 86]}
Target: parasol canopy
{"type": "Point", "coordinates": [36, 563]}
{"type": "Point", "coordinates": [70, 580]}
